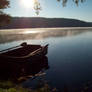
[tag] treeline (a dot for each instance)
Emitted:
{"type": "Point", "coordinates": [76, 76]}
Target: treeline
{"type": "Point", "coordinates": [35, 22]}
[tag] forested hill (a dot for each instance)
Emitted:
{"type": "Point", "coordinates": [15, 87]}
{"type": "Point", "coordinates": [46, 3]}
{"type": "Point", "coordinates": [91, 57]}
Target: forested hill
{"type": "Point", "coordinates": [35, 22]}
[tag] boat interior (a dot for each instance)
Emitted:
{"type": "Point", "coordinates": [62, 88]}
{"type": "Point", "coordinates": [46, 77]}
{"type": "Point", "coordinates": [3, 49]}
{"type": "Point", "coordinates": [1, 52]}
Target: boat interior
{"type": "Point", "coordinates": [22, 50]}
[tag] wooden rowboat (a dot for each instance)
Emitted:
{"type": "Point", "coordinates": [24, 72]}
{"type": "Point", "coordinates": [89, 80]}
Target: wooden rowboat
{"type": "Point", "coordinates": [23, 52]}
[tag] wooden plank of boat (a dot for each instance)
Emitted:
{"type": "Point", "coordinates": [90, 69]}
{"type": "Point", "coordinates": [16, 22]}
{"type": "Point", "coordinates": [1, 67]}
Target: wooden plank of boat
{"type": "Point", "coordinates": [23, 52]}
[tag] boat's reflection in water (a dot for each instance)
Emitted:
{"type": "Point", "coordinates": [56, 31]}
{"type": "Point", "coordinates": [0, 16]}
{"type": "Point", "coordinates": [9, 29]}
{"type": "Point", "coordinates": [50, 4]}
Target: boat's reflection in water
{"type": "Point", "coordinates": [18, 71]}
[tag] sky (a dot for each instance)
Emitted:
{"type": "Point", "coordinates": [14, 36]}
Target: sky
{"type": "Point", "coordinates": [52, 9]}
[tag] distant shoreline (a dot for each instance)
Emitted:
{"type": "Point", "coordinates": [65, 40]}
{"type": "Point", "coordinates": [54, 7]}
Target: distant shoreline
{"type": "Point", "coordinates": [20, 22]}
{"type": "Point", "coordinates": [48, 28]}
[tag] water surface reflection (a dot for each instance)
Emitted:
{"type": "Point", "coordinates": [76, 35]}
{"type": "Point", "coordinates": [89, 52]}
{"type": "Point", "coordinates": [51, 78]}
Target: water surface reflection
{"type": "Point", "coordinates": [18, 71]}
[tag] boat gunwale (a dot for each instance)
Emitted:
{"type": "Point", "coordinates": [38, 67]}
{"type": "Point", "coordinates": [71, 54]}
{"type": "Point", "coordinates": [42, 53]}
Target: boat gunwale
{"type": "Point", "coordinates": [35, 52]}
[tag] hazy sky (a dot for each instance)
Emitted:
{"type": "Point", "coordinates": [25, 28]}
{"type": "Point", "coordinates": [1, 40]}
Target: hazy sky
{"type": "Point", "coordinates": [53, 9]}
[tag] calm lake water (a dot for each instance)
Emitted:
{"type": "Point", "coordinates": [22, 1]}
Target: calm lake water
{"type": "Point", "coordinates": [69, 53]}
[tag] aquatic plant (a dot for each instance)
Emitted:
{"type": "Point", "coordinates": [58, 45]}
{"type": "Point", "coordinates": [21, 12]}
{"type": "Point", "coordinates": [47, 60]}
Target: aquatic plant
{"type": "Point", "coordinates": [8, 86]}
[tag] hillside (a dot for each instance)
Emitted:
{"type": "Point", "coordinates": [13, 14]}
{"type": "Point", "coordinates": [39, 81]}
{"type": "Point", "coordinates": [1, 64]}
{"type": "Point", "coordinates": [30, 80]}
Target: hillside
{"type": "Point", "coordinates": [35, 22]}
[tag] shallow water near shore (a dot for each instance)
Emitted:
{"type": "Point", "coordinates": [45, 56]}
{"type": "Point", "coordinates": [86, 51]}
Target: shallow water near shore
{"type": "Point", "coordinates": [69, 53]}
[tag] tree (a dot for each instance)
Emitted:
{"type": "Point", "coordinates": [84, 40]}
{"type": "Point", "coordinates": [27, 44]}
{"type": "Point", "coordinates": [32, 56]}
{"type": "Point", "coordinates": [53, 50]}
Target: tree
{"type": "Point", "coordinates": [37, 6]}
{"type": "Point", "coordinates": [4, 18]}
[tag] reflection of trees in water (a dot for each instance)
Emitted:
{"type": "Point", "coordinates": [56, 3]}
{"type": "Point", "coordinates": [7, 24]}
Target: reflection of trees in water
{"type": "Point", "coordinates": [19, 35]}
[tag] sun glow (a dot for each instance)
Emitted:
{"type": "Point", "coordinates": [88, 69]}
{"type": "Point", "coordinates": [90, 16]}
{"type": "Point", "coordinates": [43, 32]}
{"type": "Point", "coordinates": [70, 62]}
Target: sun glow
{"type": "Point", "coordinates": [28, 3]}
{"type": "Point", "coordinates": [32, 31]}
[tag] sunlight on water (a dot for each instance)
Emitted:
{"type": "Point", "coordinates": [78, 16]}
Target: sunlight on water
{"type": "Point", "coordinates": [11, 35]}
{"type": "Point", "coordinates": [31, 32]}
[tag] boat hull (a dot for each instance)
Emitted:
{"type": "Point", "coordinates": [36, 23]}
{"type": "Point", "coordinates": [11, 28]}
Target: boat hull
{"type": "Point", "coordinates": [17, 72]}
{"type": "Point", "coordinates": [24, 54]}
